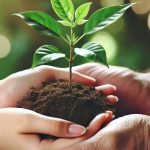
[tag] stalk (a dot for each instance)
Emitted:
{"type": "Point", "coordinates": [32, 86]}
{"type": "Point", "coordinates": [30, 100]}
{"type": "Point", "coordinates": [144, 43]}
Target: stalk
{"type": "Point", "coordinates": [71, 59]}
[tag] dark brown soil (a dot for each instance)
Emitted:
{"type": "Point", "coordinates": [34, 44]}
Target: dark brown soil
{"type": "Point", "coordinates": [80, 105]}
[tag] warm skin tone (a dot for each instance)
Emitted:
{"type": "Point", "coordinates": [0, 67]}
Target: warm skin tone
{"type": "Point", "coordinates": [135, 128]}
{"type": "Point", "coordinates": [10, 91]}
{"type": "Point", "coordinates": [129, 132]}
{"type": "Point", "coordinates": [27, 125]}
{"type": "Point", "coordinates": [20, 129]}
{"type": "Point", "coordinates": [133, 88]}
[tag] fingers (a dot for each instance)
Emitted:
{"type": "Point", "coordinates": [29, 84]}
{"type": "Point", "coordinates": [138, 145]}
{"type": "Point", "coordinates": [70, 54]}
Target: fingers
{"type": "Point", "coordinates": [36, 123]}
{"type": "Point", "coordinates": [106, 89]}
{"type": "Point", "coordinates": [55, 73]}
{"type": "Point", "coordinates": [110, 117]}
{"type": "Point", "coordinates": [89, 68]}
{"type": "Point", "coordinates": [99, 121]}
{"type": "Point", "coordinates": [111, 99]}
{"type": "Point", "coordinates": [92, 129]}
{"type": "Point", "coordinates": [83, 79]}
{"type": "Point", "coordinates": [64, 74]}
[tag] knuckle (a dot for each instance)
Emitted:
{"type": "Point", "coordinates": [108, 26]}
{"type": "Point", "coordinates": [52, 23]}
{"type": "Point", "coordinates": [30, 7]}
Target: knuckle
{"type": "Point", "coordinates": [58, 126]}
{"type": "Point", "coordinates": [128, 73]}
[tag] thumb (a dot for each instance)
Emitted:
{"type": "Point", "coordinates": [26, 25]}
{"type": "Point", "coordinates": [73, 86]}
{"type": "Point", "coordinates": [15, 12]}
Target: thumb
{"type": "Point", "coordinates": [37, 123]}
{"type": "Point", "coordinates": [83, 78]}
{"type": "Point", "coordinates": [64, 74]}
{"type": "Point", "coordinates": [56, 73]}
{"type": "Point", "coordinates": [92, 129]}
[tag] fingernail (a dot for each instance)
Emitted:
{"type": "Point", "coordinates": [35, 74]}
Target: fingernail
{"type": "Point", "coordinates": [112, 99]}
{"type": "Point", "coordinates": [109, 112]}
{"type": "Point", "coordinates": [106, 114]}
{"type": "Point", "coordinates": [114, 87]}
{"type": "Point", "coordinates": [116, 98]}
{"type": "Point", "coordinates": [76, 129]}
{"type": "Point", "coordinates": [101, 115]}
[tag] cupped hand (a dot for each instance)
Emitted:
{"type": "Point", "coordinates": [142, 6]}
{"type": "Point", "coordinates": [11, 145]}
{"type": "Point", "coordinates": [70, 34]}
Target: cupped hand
{"type": "Point", "coordinates": [17, 85]}
{"type": "Point", "coordinates": [133, 89]}
{"type": "Point", "coordinates": [130, 132]}
{"type": "Point", "coordinates": [21, 129]}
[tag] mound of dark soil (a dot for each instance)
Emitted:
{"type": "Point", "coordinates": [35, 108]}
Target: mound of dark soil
{"type": "Point", "coordinates": [80, 105]}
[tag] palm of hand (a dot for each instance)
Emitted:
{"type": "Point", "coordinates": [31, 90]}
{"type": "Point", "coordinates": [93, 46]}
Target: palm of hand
{"type": "Point", "coordinates": [16, 86]}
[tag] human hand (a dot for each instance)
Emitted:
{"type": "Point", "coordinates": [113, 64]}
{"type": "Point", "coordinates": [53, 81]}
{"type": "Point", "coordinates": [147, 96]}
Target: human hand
{"type": "Point", "coordinates": [21, 129]}
{"type": "Point", "coordinates": [16, 86]}
{"type": "Point", "coordinates": [133, 89]}
{"type": "Point", "coordinates": [130, 132]}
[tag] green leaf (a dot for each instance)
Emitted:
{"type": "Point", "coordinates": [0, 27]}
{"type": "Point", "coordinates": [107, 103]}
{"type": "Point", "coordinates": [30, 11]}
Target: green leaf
{"type": "Point", "coordinates": [81, 21]}
{"type": "Point", "coordinates": [41, 22]}
{"type": "Point", "coordinates": [63, 8]}
{"type": "Point", "coordinates": [65, 23]}
{"type": "Point", "coordinates": [93, 52]}
{"type": "Point", "coordinates": [45, 54]}
{"type": "Point", "coordinates": [82, 11]}
{"type": "Point", "coordinates": [104, 17]}
{"type": "Point", "coordinates": [70, 16]}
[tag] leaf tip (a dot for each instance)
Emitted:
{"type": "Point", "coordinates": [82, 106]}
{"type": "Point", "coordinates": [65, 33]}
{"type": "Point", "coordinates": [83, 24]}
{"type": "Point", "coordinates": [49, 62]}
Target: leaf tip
{"type": "Point", "coordinates": [15, 14]}
{"type": "Point", "coordinates": [18, 15]}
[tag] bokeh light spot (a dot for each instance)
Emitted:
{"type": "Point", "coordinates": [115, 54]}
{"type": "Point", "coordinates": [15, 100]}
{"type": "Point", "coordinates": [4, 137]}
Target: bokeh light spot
{"type": "Point", "coordinates": [5, 46]}
{"type": "Point", "coordinates": [108, 42]}
{"type": "Point", "coordinates": [142, 7]}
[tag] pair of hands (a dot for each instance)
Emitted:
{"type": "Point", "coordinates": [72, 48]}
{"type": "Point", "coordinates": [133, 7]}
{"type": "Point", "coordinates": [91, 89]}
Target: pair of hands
{"type": "Point", "coordinates": [26, 125]}
{"type": "Point", "coordinates": [133, 90]}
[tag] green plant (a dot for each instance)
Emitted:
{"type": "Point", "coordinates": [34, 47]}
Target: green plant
{"type": "Point", "coordinates": [70, 18]}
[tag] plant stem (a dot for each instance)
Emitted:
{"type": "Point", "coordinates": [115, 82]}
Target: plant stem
{"type": "Point", "coordinates": [70, 65]}
{"type": "Point", "coordinates": [71, 59]}
{"type": "Point", "coordinates": [79, 39]}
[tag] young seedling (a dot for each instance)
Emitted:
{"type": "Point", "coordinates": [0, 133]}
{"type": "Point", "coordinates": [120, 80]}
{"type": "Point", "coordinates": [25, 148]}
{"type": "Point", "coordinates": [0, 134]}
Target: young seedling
{"type": "Point", "coordinates": [71, 18]}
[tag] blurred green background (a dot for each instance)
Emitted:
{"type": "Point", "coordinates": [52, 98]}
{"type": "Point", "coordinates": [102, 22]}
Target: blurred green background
{"type": "Point", "coordinates": [127, 41]}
